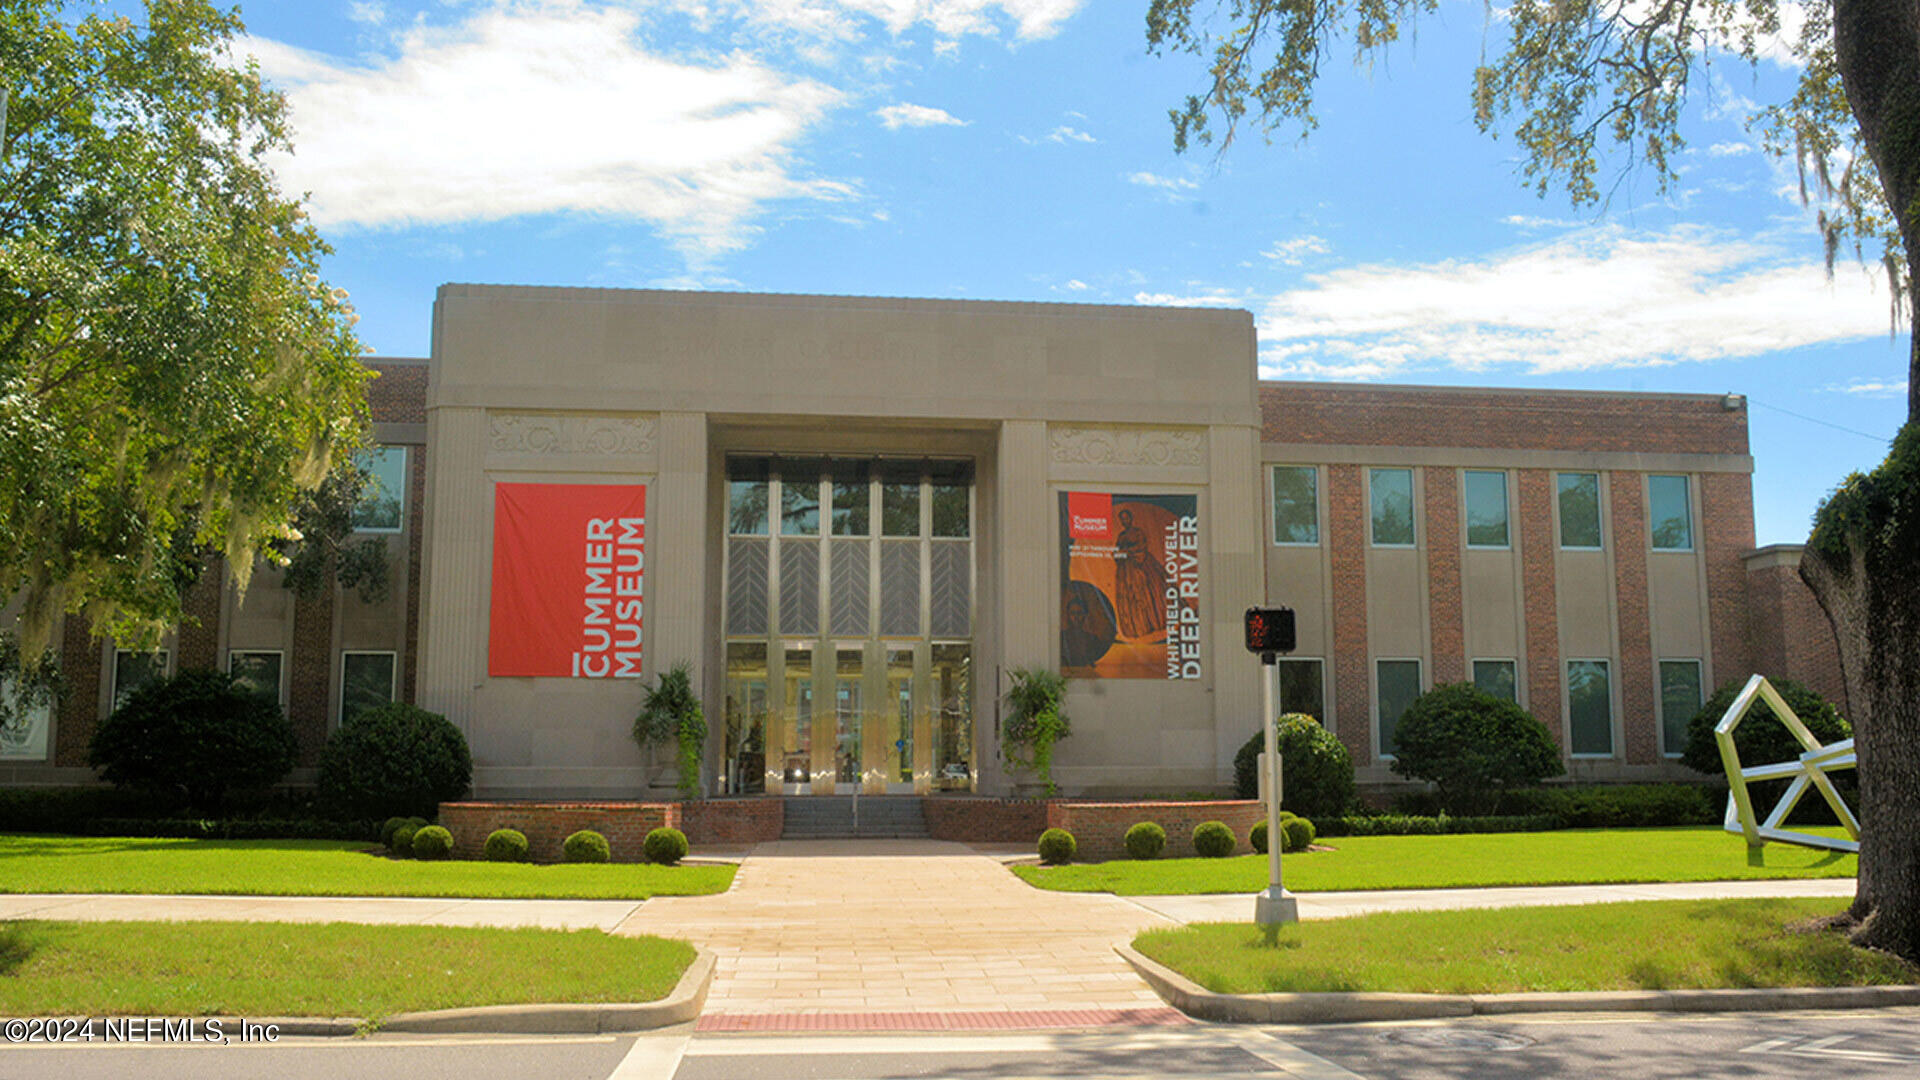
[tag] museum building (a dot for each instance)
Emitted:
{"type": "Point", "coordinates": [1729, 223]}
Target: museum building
{"type": "Point", "coordinates": [854, 518]}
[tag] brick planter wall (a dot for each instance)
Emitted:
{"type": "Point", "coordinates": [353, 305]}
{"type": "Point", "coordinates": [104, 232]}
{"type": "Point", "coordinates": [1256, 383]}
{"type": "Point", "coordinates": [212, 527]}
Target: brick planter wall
{"type": "Point", "coordinates": [624, 824]}
{"type": "Point", "coordinates": [985, 821]}
{"type": "Point", "coordinates": [1100, 829]}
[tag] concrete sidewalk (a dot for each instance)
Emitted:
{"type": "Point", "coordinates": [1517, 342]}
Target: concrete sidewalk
{"type": "Point", "coordinates": [375, 910]}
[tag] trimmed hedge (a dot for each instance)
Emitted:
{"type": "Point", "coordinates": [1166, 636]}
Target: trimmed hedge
{"type": "Point", "coordinates": [1213, 840]}
{"type": "Point", "coordinates": [1145, 840]}
{"type": "Point", "coordinates": [1057, 847]}
{"type": "Point", "coordinates": [394, 759]}
{"type": "Point", "coordinates": [665, 846]}
{"type": "Point", "coordinates": [225, 829]}
{"type": "Point", "coordinates": [1408, 825]}
{"type": "Point", "coordinates": [586, 846]}
{"type": "Point", "coordinates": [1299, 834]}
{"type": "Point", "coordinates": [432, 843]}
{"type": "Point", "coordinates": [198, 732]}
{"type": "Point", "coordinates": [1316, 771]}
{"type": "Point", "coordinates": [507, 845]}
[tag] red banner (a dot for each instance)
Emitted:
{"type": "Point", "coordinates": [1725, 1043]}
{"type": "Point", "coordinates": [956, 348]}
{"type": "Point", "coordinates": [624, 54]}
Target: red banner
{"type": "Point", "coordinates": [568, 563]}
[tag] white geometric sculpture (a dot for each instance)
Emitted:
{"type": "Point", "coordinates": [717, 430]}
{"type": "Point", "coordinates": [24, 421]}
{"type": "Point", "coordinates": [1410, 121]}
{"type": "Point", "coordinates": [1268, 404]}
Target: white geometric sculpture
{"type": "Point", "coordinates": [1809, 769]}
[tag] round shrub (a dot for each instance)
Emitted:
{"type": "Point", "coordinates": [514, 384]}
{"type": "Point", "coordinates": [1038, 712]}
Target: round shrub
{"type": "Point", "coordinates": [586, 846]}
{"type": "Point", "coordinates": [432, 843]}
{"type": "Point", "coordinates": [1761, 738]}
{"type": "Point", "coordinates": [387, 829]}
{"type": "Point", "coordinates": [1316, 772]}
{"type": "Point", "coordinates": [1298, 834]}
{"type": "Point", "coordinates": [1146, 840]}
{"type": "Point", "coordinates": [1257, 836]}
{"type": "Point", "coordinates": [1213, 840]}
{"type": "Point", "coordinates": [665, 846]}
{"type": "Point", "coordinates": [1057, 847]}
{"type": "Point", "coordinates": [394, 759]}
{"type": "Point", "coordinates": [198, 732]}
{"type": "Point", "coordinates": [402, 842]}
{"type": "Point", "coordinates": [1473, 746]}
{"type": "Point", "coordinates": [506, 845]}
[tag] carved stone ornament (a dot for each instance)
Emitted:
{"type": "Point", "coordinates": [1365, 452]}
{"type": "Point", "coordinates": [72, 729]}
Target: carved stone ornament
{"type": "Point", "coordinates": [1128, 446]}
{"type": "Point", "coordinates": [571, 435]}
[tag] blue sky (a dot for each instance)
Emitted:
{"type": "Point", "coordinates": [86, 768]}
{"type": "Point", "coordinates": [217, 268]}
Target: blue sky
{"type": "Point", "coordinates": [1020, 150]}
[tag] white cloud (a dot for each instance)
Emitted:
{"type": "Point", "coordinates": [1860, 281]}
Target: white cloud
{"type": "Point", "coordinates": [1599, 298]}
{"type": "Point", "coordinates": [843, 20]}
{"type": "Point", "coordinates": [1526, 221]}
{"type": "Point", "coordinates": [526, 111]}
{"type": "Point", "coordinates": [371, 13]}
{"type": "Point", "coordinates": [1865, 389]}
{"type": "Point", "coordinates": [1076, 285]}
{"type": "Point", "coordinates": [895, 117]}
{"type": "Point", "coordinates": [1164, 183]}
{"type": "Point", "coordinates": [1729, 149]}
{"type": "Point", "coordinates": [1296, 250]}
{"type": "Point", "coordinates": [1064, 134]}
{"type": "Point", "coordinates": [1205, 298]}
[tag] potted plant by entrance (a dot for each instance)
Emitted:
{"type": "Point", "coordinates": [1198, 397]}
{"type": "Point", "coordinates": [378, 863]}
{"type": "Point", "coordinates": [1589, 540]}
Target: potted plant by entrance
{"type": "Point", "coordinates": [671, 713]}
{"type": "Point", "coordinates": [1035, 723]}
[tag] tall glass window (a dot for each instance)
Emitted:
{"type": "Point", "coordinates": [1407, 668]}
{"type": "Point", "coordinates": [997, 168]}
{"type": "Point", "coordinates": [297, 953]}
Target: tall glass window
{"type": "Point", "coordinates": [852, 498]}
{"type": "Point", "coordinates": [1670, 513]}
{"type": "Point", "coordinates": [1496, 677]}
{"type": "Point", "coordinates": [257, 671]}
{"type": "Point", "coordinates": [1486, 509]}
{"type": "Point", "coordinates": [1296, 504]}
{"type": "Point", "coordinates": [797, 753]}
{"type": "Point", "coordinates": [747, 509]}
{"type": "Point", "coordinates": [1589, 708]}
{"type": "Point", "coordinates": [1399, 684]}
{"type": "Point", "coordinates": [950, 486]}
{"type": "Point", "coordinates": [1679, 700]}
{"type": "Point", "coordinates": [746, 717]}
{"type": "Point", "coordinates": [901, 707]}
{"type": "Point", "coordinates": [847, 716]}
{"type": "Point", "coordinates": [366, 681]}
{"type": "Point", "coordinates": [1300, 687]}
{"type": "Point", "coordinates": [953, 717]}
{"type": "Point", "coordinates": [799, 500]}
{"type": "Point", "coordinates": [133, 670]}
{"type": "Point", "coordinates": [1580, 510]}
{"type": "Point", "coordinates": [1391, 491]}
{"type": "Point", "coordinates": [383, 496]}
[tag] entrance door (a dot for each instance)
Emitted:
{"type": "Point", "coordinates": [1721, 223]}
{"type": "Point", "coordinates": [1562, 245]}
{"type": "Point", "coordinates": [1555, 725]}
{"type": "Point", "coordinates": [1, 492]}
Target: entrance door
{"type": "Point", "coordinates": [902, 722]}
{"type": "Point", "coordinates": [847, 719]}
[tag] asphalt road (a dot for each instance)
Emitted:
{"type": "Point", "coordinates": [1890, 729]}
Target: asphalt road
{"type": "Point", "coordinates": [1789, 1046]}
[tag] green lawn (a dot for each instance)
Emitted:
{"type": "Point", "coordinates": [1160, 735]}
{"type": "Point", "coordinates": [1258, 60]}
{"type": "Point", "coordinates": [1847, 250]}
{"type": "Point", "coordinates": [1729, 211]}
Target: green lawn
{"type": "Point", "coordinates": [332, 969]}
{"type": "Point", "coordinates": [63, 864]}
{"type": "Point", "coordinates": [1564, 857]}
{"type": "Point", "coordinates": [1655, 945]}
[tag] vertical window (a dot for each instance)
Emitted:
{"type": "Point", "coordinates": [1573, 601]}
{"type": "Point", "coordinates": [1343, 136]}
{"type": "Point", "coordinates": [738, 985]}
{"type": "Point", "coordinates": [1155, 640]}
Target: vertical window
{"type": "Point", "coordinates": [1296, 504]}
{"type": "Point", "coordinates": [747, 495]}
{"type": "Point", "coordinates": [1580, 510]}
{"type": "Point", "coordinates": [1670, 513]}
{"type": "Point", "coordinates": [1679, 700]}
{"type": "Point", "coordinates": [133, 670]}
{"type": "Point", "coordinates": [797, 766]}
{"type": "Point", "coordinates": [1589, 708]}
{"type": "Point", "coordinates": [745, 717]}
{"type": "Point", "coordinates": [24, 720]}
{"type": "Point", "coordinates": [852, 496]}
{"type": "Point", "coordinates": [899, 499]}
{"type": "Point", "coordinates": [1300, 688]}
{"type": "Point", "coordinates": [257, 671]}
{"type": "Point", "coordinates": [1496, 677]}
{"type": "Point", "coordinates": [383, 496]}
{"type": "Point", "coordinates": [1399, 684]}
{"type": "Point", "coordinates": [799, 504]}
{"type": "Point", "coordinates": [1486, 509]}
{"type": "Point", "coordinates": [366, 680]}
{"type": "Point", "coordinates": [1392, 494]}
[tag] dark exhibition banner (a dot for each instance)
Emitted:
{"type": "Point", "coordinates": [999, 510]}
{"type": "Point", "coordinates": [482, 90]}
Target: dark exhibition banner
{"type": "Point", "coordinates": [1129, 586]}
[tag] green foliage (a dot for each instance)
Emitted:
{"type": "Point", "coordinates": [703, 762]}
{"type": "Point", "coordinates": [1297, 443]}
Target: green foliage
{"type": "Point", "coordinates": [1316, 771]}
{"type": "Point", "coordinates": [507, 845]}
{"type": "Point", "coordinates": [401, 843]}
{"type": "Point", "coordinates": [1300, 834]}
{"type": "Point", "coordinates": [1761, 738]}
{"type": "Point", "coordinates": [1472, 745]}
{"type": "Point", "coordinates": [1257, 836]}
{"type": "Point", "coordinates": [197, 732]}
{"type": "Point", "coordinates": [25, 687]}
{"type": "Point", "coordinates": [1611, 806]}
{"type": "Point", "coordinates": [665, 846]}
{"type": "Point", "coordinates": [172, 369]}
{"type": "Point", "coordinates": [1034, 722]}
{"type": "Point", "coordinates": [394, 759]}
{"type": "Point", "coordinates": [328, 549]}
{"type": "Point", "coordinates": [392, 825]}
{"type": "Point", "coordinates": [1057, 847]}
{"type": "Point", "coordinates": [671, 712]}
{"type": "Point", "coordinates": [1145, 840]}
{"type": "Point", "coordinates": [586, 846]}
{"type": "Point", "coordinates": [432, 843]}
{"type": "Point", "coordinates": [1436, 825]}
{"type": "Point", "coordinates": [1213, 840]}
{"type": "Point", "coordinates": [1879, 511]}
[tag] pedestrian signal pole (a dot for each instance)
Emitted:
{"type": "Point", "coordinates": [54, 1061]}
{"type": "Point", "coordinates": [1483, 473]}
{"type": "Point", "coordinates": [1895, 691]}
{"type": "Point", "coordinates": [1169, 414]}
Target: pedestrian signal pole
{"type": "Point", "coordinates": [1270, 632]}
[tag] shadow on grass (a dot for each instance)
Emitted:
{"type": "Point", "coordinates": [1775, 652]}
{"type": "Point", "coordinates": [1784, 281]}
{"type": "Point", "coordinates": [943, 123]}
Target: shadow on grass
{"type": "Point", "coordinates": [15, 947]}
{"type": "Point", "coordinates": [43, 846]}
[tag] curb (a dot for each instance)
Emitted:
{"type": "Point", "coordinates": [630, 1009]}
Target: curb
{"type": "Point", "coordinates": [1340, 1008]}
{"type": "Point", "coordinates": [679, 1007]}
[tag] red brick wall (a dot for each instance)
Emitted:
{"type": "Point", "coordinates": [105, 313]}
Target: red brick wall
{"type": "Point", "coordinates": [1791, 635]}
{"type": "Point", "coordinates": [1726, 511]}
{"type": "Point", "coordinates": [624, 824]}
{"type": "Point", "coordinates": [985, 821]}
{"type": "Point", "coordinates": [1347, 552]}
{"type": "Point", "coordinates": [310, 674]}
{"type": "Point", "coordinates": [1539, 601]}
{"type": "Point", "coordinates": [399, 395]}
{"type": "Point", "coordinates": [199, 637]}
{"type": "Point", "coordinates": [1443, 576]}
{"type": "Point", "coordinates": [733, 821]}
{"type": "Point", "coordinates": [1099, 829]}
{"type": "Point", "coordinates": [1633, 613]}
{"type": "Point", "coordinates": [1502, 420]}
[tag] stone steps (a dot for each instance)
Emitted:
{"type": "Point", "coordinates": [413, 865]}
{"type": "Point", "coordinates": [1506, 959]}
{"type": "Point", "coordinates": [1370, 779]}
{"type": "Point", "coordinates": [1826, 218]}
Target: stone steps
{"type": "Point", "coordinates": [825, 817]}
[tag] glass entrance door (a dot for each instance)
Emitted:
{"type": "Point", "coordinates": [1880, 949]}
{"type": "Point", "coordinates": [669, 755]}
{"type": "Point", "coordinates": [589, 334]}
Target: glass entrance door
{"type": "Point", "coordinates": [847, 719]}
{"type": "Point", "coordinates": [904, 723]}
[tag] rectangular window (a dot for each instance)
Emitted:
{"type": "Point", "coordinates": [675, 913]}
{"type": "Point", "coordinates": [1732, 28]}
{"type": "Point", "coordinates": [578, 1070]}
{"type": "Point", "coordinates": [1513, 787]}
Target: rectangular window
{"type": "Point", "coordinates": [1679, 700]}
{"type": "Point", "coordinates": [1486, 509]}
{"type": "Point", "coordinates": [1580, 510]}
{"type": "Point", "coordinates": [366, 680]}
{"type": "Point", "coordinates": [23, 724]}
{"type": "Point", "coordinates": [1496, 677]}
{"type": "Point", "coordinates": [1670, 513]}
{"type": "Point", "coordinates": [900, 509]}
{"type": "Point", "coordinates": [257, 670]}
{"type": "Point", "coordinates": [852, 497]}
{"type": "Point", "coordinates": [1399, 684]}
{"type": "Point", "coordinates": [1392, 494]}
{"type": "Point", "coordinates": [133, 670]}
{"type": "Point", "coordinates": [950, 487]}
{"type": "Point", "coordinates": [1296, 504]}
{"type": "Point", "coordinates": [1589, 708]}
{"type": "Point", "coordinates": [1300, 687]}
{"type": "Point", "coordinates": [799, 506]}
{"type": "Point", "coordinates": [383, 494]}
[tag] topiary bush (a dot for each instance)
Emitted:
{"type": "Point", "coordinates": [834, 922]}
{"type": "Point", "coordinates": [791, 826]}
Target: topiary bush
{"type": "Point", "coordinates": [1316, 772]}
{"type": "Point", "coordinates": [1473, 746]}
{"type": "Point", "coordinates": [1761, 738]}
{"type": "Point", "coordinates": [1257, 836]}
{"type": "Point", "coordinates": [432, 843]}
{"type": "Point", "coordinates": [402, 842]}
{"type": "Point", "coordinates": [394, 759]}
{"type": "Point", "coordinates": [1145, 840]}
{"type": "Point", "coordinates": [198, 732]}
{"type": "Point", "coordinates": [665, 846]}
{"type": "Point", "coordinates": [1298, 834]}
{"type": "Point", "coordinates": [507, 845]}
{"type": "Point", "coordinates": [1213, 840]}
{"type": "Point", "coordinates": [586, 846]}
{"type": "Point", "coordinates": [1057, 847]}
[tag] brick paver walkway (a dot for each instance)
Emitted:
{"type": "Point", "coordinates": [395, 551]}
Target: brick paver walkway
{"type": "Point", "coordinates": [893, 926]}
